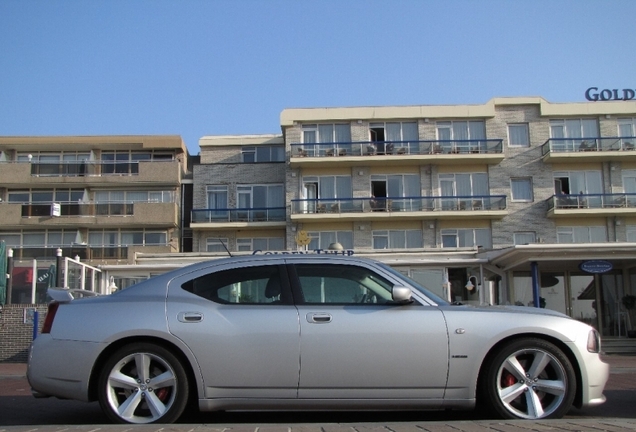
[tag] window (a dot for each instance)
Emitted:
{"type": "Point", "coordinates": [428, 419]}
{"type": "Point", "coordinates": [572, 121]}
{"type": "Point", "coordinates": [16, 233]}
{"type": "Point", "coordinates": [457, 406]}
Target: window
{"type": "Point", "coordinates": [397, 239]}
{"type": "Point", "coordinates": [468, 184]}
{"type": "Point", "coordinates": [580, 183]}
{"type": "Point", "coordinates": [629, 186]}
{"type": "Point", "coordinates": [248, 285]}
{"type": "Point", "coordinates": [326, 133]}
{"type": "Point", "coordinates": [570, 135]}
{"type": "Point", "coordinates": [388, 135]}
{"type": "Point", "coordinates": [521, 238]}
{"type": "Point", "coordinates": [217, 202]}
{"type": "Point", "coordinates": [322, 239]}
{"type": "Point", "coordinates": [263, 244]}
{"type": "Point", "coordinates": [119, 238]}
{"type": "Point", "coordinates": [216, 244]}
{"type": "Point", "coordinates": [631, 233]}
{"type": "Point", "coordinates": [518, 135]}
{"type": "Point", "coordinates": [395, 187]}
{"type": "Point", "coordinates": [574, 128]}
{"type": "Point", "coordinates": [339, 284]}
{"type": "Point", "coordinates": [453, 238]}
{"type": "Point", "coordinates": [521, 189]}
{"type": "Point", "coordinates": [472, 190]}
{"type": "Point", "coordinates": [263, 154]}
{"type": "Point", "coordinates": [46, 238]}
{"type": "Point", "coordinates": [260, 196]}
{"type": "Point", "coordinates": [462, 136]}
{"type": "Point", "coordinates": [581, 234]}
{"type": "Point", "coordinates": [161, 196]}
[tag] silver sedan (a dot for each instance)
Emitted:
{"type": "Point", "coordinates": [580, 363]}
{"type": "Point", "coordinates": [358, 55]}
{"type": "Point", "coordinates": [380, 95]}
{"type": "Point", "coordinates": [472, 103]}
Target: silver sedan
{"type": "Point", "coordinates": [308, 332]}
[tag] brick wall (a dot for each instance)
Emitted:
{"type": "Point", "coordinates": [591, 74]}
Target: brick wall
{"type": "Point", "coordinates": [15, 335]}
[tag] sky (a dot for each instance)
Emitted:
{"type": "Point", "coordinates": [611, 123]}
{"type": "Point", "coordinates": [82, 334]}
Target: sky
{"type": "Point", "coordinates": [224, 67]}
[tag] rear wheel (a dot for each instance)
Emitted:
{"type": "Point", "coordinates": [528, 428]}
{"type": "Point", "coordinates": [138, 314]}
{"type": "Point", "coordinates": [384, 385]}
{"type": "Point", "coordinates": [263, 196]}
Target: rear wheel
{"type": "Point", "coordinates": [143, 383]}
{"type": "Point", "coordinates": [529, 379]}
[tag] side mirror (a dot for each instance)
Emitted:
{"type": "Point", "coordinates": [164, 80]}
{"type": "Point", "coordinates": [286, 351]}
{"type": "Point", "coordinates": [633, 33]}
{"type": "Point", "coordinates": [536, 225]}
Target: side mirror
{"type": "Point", "coordinates": [401, 294]}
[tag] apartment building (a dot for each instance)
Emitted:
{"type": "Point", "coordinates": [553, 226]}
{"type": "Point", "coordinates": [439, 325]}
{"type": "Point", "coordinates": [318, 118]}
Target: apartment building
{"type": "Point", "coordinates": [537, 190]}
{"type": "Point", "coordinates": [101, 199]}
{"type": "Point", "coordinates": [239, 194]}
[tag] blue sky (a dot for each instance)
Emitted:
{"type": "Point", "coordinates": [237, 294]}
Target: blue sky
{"type": "Point", "coordinates": [195, 68]}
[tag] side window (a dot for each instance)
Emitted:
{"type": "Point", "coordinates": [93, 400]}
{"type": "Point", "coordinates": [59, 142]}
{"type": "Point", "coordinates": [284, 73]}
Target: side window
{"type": "Point", "coordinates": [342, 284]}
{"type": "Point", "coordinates": [248, 285]}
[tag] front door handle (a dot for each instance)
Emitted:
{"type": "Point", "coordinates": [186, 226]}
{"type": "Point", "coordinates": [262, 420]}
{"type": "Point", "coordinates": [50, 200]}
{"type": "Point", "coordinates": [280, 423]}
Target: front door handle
{"type": "Point", "coordinates": [319, 318]}
{"type": "Point", "coordinates": [190, 317]}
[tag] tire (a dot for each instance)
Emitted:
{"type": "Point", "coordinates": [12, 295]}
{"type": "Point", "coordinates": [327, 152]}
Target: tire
{"type": "Point", "coordinates": [143, 383]}
{"type": "Point", "coordinates": [528, 379]}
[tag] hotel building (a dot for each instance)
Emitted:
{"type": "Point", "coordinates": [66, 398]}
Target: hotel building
{"type": "Point", "coordinates": [510, 202]}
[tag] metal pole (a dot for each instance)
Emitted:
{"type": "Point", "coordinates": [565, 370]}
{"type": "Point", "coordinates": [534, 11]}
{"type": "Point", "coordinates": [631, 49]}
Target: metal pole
{"type": "Point", "coordinates": [36, 318]}
{"type": "Point", "coordinates": [58, 267]}
{"type": "Point", "coordinates": [534, 268]}
{"type": "Point", "coordinates": [9, 275]}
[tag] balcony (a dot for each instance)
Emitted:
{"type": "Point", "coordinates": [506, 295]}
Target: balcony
{"type": "Point", "coordinates": [106, 214]}
{"type": "Point", "coordinates": [397, 152]}
{"type": "Point", "coordinates": [586, 205]}
{"type": "Point", "coordinates": [255, 218]}
{"type": "Point", "coordinates": [98, 173]}
{"type": "Point", "coordinates": [589, 149]}
{"type": "Point", "coordinates": [447, 207]}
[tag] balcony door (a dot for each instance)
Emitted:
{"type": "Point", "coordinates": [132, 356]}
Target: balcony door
{"type": "Point", "coordinates": [577, 183]}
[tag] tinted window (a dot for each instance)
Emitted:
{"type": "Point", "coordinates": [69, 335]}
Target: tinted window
{"type": "Point", "coordinates": [249, 285]}
{"type": "Point", "coordinates": [342, 284]}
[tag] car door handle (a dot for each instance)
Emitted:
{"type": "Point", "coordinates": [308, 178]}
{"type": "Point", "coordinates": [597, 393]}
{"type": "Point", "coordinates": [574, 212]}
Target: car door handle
{"type": "Point", "coordinates": [190, 317]}
{"type": "Point", "coordinates": [319, 318]}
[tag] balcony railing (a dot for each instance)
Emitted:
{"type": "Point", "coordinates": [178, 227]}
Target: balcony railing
{"type": "Point", "coordinates": [268, 214]}
{"type": "Point", "coordinates": [592, 201]}
{"type": "Point", "coordinates": [575, 145]}
{"type": "Point", "coordinates": [399, 204]}
{"type": "Point", "coordinates": [98, 208]}
{"type": "Point", "coordinates": [399, 148]}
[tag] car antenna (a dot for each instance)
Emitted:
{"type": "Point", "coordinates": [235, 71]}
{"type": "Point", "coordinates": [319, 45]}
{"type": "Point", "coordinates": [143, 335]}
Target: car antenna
{"type": "Point", "coordinates": [226, 249]}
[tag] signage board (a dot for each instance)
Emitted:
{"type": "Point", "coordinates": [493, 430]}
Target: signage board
{"type": "Point", "coordinates": [56, 209]}
{"type": "Point", "coordinates": [596, 266]}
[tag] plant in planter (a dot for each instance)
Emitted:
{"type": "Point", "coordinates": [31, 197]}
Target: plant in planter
{"type": "Point", "coordinates": [629, 303]}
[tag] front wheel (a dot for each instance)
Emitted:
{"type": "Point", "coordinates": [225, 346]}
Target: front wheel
{"type": "Point", "coordinates": [529, 379]}
{"type": "Point", "coordinates": [143, 383]}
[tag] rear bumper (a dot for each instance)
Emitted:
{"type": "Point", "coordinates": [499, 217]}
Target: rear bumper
{"type": "Point", "coordinates": [61, 368]}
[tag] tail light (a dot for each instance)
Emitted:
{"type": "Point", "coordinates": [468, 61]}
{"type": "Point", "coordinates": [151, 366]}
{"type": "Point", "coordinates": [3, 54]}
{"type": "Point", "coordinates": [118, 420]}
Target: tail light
{"type": "Point", "coordinates": [50, 316]}
{"type": "Point", "coordinates": [594, 341]}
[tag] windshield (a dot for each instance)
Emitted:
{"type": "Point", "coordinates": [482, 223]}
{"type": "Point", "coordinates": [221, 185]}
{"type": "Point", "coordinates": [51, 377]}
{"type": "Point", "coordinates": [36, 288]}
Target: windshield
{"type": "Point", "coordinates": [437, 299]}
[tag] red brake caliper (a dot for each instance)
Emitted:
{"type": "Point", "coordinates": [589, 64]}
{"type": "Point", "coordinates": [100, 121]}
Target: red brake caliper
{"type": "Point", "coordinates": [507, 379]}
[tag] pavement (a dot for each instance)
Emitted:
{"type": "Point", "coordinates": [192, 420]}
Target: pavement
{"type": "Point", "coordinates": [622, 378]}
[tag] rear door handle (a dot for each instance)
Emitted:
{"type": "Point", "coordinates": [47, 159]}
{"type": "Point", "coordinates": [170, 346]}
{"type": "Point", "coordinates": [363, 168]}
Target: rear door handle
{"type": "Point", "coordinates": [190, 317]}
{"type": "Point", "coordinates": [319, 318]}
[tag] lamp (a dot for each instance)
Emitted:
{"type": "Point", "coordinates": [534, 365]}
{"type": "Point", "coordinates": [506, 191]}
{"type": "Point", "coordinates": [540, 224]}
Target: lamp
{"type": "Point", "coordinates": [111, 286]}
{"type": "Point", "coordinates": [472, 283]}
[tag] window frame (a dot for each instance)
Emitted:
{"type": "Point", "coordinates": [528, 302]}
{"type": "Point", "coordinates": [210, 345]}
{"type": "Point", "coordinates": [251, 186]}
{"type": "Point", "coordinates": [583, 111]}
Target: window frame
{"type": "Point", "coordinates": [530, 189]}
{"type": "Point", "coordinates": [526, 135]}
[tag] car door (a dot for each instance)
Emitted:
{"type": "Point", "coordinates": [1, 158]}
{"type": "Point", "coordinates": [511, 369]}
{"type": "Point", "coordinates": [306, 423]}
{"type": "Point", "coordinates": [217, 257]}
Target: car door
{"type": "Point", "coordinates": [355, 343]}
{"type": "Point", "coordinates": [242, 327]}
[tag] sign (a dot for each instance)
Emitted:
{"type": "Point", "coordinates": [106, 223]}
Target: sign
{"type": "Point", "coordinates": [596, 266]}
{"type": "Point", "coordinates": [56, 209]}
{"type": "Point", "coordinates": [346, 252]}
{"type": "Point", "coordinates": [593, 94]}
